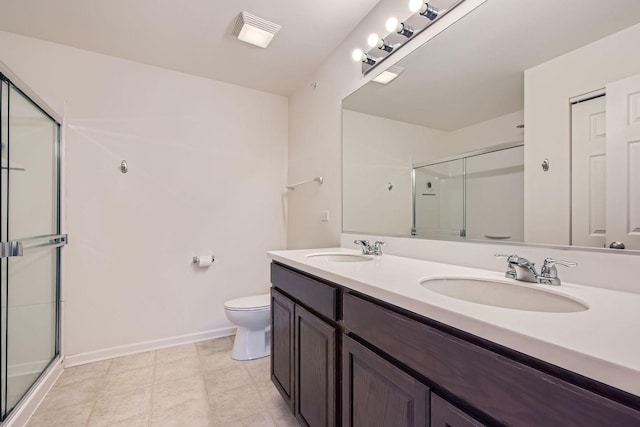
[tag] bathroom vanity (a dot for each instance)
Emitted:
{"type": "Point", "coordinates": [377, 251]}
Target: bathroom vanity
{"type": "Point", "coordinates": [361, 342]}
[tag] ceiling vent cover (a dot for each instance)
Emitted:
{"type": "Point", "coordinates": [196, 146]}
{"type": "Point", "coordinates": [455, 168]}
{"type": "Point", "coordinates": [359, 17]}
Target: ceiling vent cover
{"type": "Point", "coordinates": [255, 30]}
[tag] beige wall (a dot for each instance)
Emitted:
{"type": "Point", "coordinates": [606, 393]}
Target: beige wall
{"type": "Point", "coordinates": [200, 182]}
{"type": "Point", "coordinates": [548, 89]}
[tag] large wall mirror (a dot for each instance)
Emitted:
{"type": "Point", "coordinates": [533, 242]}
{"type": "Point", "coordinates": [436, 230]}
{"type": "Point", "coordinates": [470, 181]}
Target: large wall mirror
{"type": "Point", "coordinates": [520, 122]}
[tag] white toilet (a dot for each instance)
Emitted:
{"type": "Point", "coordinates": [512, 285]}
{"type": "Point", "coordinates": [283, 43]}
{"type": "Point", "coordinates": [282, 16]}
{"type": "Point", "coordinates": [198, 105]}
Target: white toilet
{"type": "Point", "coordinates": [252, 316]}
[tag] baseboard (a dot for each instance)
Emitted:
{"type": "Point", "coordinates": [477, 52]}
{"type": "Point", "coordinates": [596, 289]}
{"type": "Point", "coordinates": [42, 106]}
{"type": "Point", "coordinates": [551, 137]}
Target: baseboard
{"type": "Point", "coordinates": [25, 409]}
{"type": "Point", "coordinates": [125, 350]}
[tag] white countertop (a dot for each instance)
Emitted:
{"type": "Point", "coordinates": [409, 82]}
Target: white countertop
{"type": "Point", "coordinates": [602, 342]}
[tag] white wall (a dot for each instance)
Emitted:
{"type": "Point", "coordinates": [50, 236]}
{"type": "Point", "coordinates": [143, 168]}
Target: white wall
{"type": "Point", "coordinates": [315, 125]}
{"type": "Point", "coordinates": [548, 89]}
{"type": "Point", "coordinates": [496, 131]}
{"type": "Point", "coordinates": [494, 196]}
{"type": "Point", "coordinates": [378, 151]}
{"type": "Point", "coordinates": [207, 171]}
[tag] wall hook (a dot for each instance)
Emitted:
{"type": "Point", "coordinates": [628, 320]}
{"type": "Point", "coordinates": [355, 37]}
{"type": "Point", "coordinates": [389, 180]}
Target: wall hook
{"type": "Point", "coordinates": [124, 167]}
{"type": "Point", "coordinates": [545, 165]}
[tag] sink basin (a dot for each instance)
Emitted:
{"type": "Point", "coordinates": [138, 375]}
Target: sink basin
{"type": "Point", "coordinates": [503, 294]}
{"type": "Point", "coordinates": [341, 257]}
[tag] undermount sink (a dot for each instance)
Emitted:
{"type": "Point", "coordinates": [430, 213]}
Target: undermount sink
{"type": "Point", "coordinates": [503, 294]}
{"type": "Point", "coordinates": [341, 257]}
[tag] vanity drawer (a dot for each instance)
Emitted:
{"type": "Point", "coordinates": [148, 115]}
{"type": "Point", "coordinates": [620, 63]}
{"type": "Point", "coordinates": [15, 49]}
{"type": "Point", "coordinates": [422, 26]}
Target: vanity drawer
{"type": "Point", "coordinates": [500, 388]}
{"type": "Point", "coordinates": [316, 295]}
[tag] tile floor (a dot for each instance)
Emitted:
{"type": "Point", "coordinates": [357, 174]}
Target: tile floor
{"type": "Point", "coordinates": [191, 385]}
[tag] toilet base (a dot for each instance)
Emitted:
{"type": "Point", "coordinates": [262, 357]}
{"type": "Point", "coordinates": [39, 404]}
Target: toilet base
{"type": "Point", "coordinates": [250, 344]}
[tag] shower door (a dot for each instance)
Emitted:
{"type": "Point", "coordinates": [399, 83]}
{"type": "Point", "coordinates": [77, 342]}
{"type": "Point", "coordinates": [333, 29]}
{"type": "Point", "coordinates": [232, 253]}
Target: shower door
{"type": "Point", "coordinates": [31, 241]}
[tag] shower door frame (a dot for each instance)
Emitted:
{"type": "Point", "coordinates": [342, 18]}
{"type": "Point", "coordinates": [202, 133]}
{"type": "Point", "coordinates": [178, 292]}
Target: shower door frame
{"type": "Point", "coordinates": [48, 375]}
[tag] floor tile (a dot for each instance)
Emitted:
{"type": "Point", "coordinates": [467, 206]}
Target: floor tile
{"type": "Point", "coordinates": [220, 381]}
{"type": "Point", "coordinates": [70, 416]}
{"type": "Point", "coordinates": [84, 372]}
{"type": "Point", "coordinates": [172, 354]}
{"type": "Point", "coordinates": [195, 385]}
{"type": "Point", "coordinates": [283, 417]}
{"type": "Point", "coordinates": [218, 362]}
{"type": "Point", "coordinates": [111, 409]}
{"type": "Point", "coordinates": [132, 362]}
{"type": "Point", "coordinates": [171, 394]}
{"type": "Point", "coordinates": [72, 394]}
{"type": "Point", "coordinates": [177, 370]}
{"type": "Point", "coordinates": [262, 419]}
{"type": "Point", "coordinates": [206, 348]}
{"type": "Point", "coordinates": [269, 394]}
{"type": "Point", "coordinates": [259, 369]}
{"type": "Point", "coordinates": [133, 422]}
{"type": "Point", "coordinates": [122, 382]}
{"type": "Point", "coordinates": [193, 413]}
{"type": "Point", "coordinates": [235, 404]}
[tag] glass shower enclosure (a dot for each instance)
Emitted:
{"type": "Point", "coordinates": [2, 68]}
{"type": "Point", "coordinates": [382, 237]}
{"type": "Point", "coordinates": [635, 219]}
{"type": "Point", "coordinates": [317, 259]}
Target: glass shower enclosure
{"type": "Point", "coordinates": [30, 240]}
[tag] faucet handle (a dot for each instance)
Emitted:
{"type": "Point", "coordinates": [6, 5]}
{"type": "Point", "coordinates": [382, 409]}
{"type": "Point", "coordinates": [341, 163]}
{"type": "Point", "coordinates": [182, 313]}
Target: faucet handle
{"type": "Point", "coordinates": [366, 247]}
{"type": "Point", "coordinates": [549, 273]}
{"type": "Point", "coordinates": [511, 260]}
{"type": "Point", "coordinates": [551, 262]}
{"type": "Point", "coordinates": [377, 247]}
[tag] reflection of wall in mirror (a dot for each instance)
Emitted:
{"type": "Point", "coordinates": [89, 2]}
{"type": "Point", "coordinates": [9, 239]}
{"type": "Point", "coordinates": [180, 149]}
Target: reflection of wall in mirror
{"type": "Point", "coordinates": [494, 195]}
{"type": "Point", "coordinates": [439, 210]}
{"type": "Point", "coordinates": [377, 150]}
{"type": "Point", "coordinates": [548, 89]}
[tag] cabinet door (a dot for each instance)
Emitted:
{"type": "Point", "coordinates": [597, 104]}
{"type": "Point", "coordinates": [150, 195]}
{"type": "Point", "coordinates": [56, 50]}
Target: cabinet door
{"type": "Point", "coordinates": [282, 345]}
{"type": "Point", "coordinates": [376, 393]}
{"type": "Point", "coordinates": [444, 414]}
{"type": "Point", "coordinates": [315, 370]}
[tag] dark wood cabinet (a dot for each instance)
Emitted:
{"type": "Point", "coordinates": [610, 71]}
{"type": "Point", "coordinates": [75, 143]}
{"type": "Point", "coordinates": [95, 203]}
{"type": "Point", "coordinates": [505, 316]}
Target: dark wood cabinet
{"type": "Point", "coordinates": [304, 340]}
{"type": "Point", "coordinates": [282, 344]}
{"type": "Point", "coordinates": [444, 414]}
{"type": "Point", "coordinates": [376, 393]}
{"type": "Point", "coordinates": [343, 358]}
{"type": "Point", "coordinates": [315, 370]}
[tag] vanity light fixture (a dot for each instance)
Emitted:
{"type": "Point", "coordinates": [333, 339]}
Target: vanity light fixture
{"type": "Point", "coordinates": [388, 75]}
{"type": "Point", "coordinates": [393, 25]}
{"type": "Point", "coordinates": [254, 30]}
{"type": "Point", "coordinates": [424, 9]}
{"type": "Point", "coordinates": [400, 33]}
{"type": "Point", "coordinates": [365, 58]}
{"type": "Point", "coordinates": [374, 40]}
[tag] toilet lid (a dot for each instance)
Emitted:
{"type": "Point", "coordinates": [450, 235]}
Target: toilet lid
{"type": "Point", "coordinates": [253, 302]}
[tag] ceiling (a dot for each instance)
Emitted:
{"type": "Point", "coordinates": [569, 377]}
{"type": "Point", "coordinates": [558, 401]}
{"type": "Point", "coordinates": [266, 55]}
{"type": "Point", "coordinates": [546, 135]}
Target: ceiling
{"type": "Point", "coordinates": [473, 71]}
{"type": "Point", "coordinates": [194, 36]}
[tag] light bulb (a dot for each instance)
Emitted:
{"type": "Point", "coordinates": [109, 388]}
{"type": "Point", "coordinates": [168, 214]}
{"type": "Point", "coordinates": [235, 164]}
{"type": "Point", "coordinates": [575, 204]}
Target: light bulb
{"type": "Point", "coordinates": [415, 5]}
{"type": "Point", "coordinates": [373, 40]}
{"type": "Point", "coordinates": [392, 24]}
{"type": "Point", "coordinates": [357, 55]}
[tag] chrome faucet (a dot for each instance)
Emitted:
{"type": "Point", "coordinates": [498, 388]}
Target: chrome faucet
{"type": "Point", "coordinates": [524, 270]}
{"type": "Point", "coordinates": [368, 249]}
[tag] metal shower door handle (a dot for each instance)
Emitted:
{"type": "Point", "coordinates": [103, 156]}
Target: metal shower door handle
{"type": "Point", "coordinates": [15, 248]}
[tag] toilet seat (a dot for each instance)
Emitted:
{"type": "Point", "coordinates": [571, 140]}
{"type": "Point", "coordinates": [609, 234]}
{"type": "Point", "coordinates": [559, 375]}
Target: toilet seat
{"type": "Point", "coordinates": [251, 303]}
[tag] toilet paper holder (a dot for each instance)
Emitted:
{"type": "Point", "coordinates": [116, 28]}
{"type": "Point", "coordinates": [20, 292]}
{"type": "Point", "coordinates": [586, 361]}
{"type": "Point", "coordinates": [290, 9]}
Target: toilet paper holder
{"type": "Point", "coordinates": [196, 259]}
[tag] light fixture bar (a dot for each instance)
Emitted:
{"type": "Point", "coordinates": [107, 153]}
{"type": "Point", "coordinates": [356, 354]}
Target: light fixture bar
{"type": "Point", "coordinates": [400, 32]}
